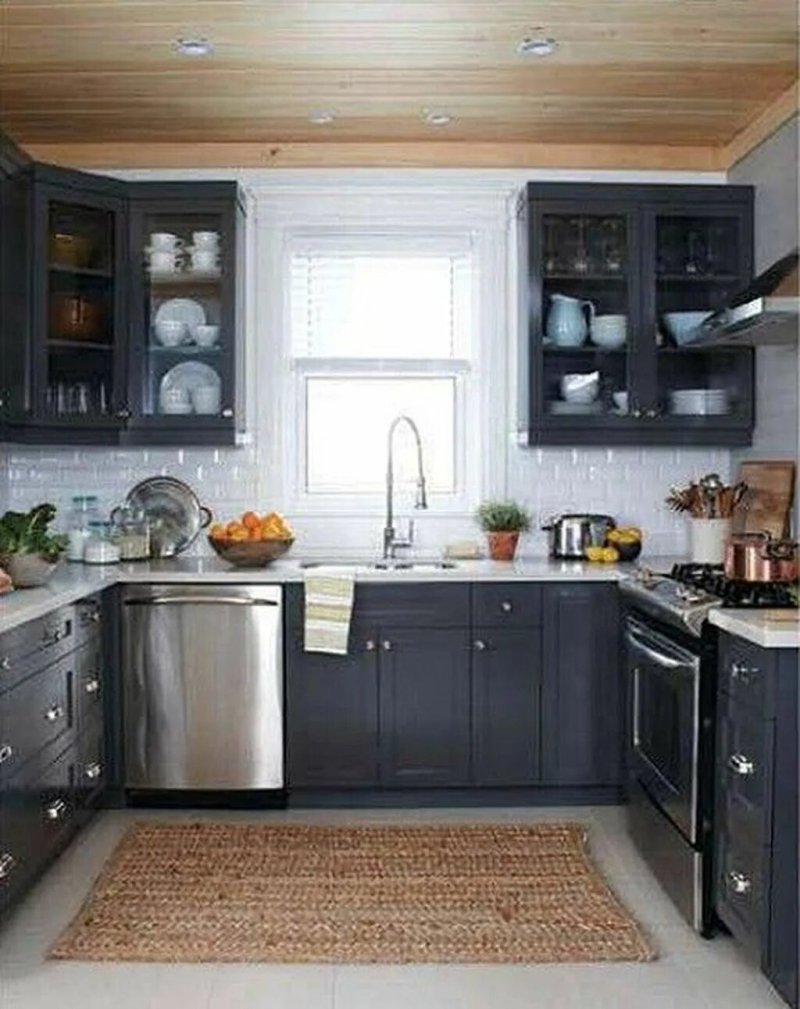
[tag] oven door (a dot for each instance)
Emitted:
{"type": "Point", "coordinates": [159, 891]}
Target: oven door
{"type": "Point", "coordinates": [665, 695]}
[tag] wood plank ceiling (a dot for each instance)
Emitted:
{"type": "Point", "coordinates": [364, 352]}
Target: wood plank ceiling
{"type": "Point", "coordinates": [630, 72]}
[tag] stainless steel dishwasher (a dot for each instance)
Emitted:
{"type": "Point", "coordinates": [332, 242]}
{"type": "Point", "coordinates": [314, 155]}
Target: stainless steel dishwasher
{"type": "Point", "coordinates": [203, 687]}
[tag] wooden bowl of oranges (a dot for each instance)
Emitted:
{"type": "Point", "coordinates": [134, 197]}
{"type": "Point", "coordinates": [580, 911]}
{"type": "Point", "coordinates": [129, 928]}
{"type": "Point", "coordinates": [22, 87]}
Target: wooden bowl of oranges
{"type": "Point", "coordinates": [253, 541]}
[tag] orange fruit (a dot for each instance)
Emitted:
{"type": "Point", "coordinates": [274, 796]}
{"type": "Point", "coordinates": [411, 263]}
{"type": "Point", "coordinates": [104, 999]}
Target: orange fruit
{"type": "Point", "coordinates": [250, 520]}
{"type": "Point", "coordinates": [217, 531]}
{"type": "Point", "coordinates": [233, 529]}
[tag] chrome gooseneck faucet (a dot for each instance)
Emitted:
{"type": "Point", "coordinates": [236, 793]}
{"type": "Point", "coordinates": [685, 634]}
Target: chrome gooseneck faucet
{"type": "Point", "coordinates": [391, 541]}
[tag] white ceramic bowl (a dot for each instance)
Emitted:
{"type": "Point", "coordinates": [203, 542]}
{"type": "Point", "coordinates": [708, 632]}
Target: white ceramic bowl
{"type": "Point", "coordinates": [170, 332]}
{"type": "Point", "coordinates": [620, 401]}
{"type": "Point", "coordinates": [609, 331]}
{"type": "Point", "coordinates": [680, 325]}
{"type": "Point", "coordinates": [580, 388]}
{"type": "Point", "coordinates": [205, 336]}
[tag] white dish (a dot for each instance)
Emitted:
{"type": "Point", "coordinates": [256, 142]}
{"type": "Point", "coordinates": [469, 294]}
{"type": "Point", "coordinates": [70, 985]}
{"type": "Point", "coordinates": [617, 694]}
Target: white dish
{"type": "Point", "coordinates": [206, 336]}
{"type": "Point", "coordinates": [185, 310]}
{"type": "Point", "coordinates": [620, 401]}
{"type": "Point", "coordinates": [578, 387]}
{"type": "Point", "coordinates": [170, 333]}
{"type": "Point", "coordinates": [182, 380]}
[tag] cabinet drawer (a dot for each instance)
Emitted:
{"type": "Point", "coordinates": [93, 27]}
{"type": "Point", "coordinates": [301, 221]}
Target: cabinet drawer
{"type": "Point", "coordinates": [36, 818]}
{"type": "Point", "coordinates": [743, 754]}
{"type": "Point", "coordinates": [88, 665]}
{"type": "Point", "coordinates": [412, 605]}
{"type": "Point", "coordinates": [35, 713]}
{"type": "Point", "coordinates": [507, 604]}
{"type": "Point", "coordinates": [745, 674]}
{"type": "Point", "coordinates": [740, 891]}
{"type": "Point", "coordinates": [35, 645]}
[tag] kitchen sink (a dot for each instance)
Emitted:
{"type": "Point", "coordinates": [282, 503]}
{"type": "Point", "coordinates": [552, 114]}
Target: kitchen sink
{"type": "Point", "coordinates": [384, 565]}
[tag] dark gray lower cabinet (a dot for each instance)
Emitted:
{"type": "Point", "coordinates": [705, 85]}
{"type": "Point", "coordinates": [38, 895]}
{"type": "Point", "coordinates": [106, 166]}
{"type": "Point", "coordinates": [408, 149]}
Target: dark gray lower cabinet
{"type": "Point", "coordinates": [332, 705]}
{"type": "Point", "coordinates": [506, 685]}
{"type": "Point", "coordinates": [582, 730]}
{"type": "Point", "coordinates": [756, 835]}
{"type": "Point", "coordinates": [448, 686]}
{"type": "Point", "coordinates": [424, 707]}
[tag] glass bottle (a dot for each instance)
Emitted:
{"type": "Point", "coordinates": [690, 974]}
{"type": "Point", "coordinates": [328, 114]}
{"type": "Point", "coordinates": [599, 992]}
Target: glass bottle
{"type": "Point", "coordinates": [82, 513]}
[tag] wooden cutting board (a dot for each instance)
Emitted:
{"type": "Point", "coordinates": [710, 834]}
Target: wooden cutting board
{"type": "Point", "coordinates": [767, 504]}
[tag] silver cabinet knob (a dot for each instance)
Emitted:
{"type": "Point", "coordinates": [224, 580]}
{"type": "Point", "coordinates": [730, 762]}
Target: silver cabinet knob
{"type": "Point", "coordinates": [386, 646]}
{"type": "Point", "coordinates": [740, 764]}
{"type": "Point", "coordinates": [743, 673]}
{"type": "Point", "coordinates": [55, 810]}
{"type": "Point", "coordinates": [7, 863]}
{"type": "Point", "coordinates": [5, 662]}
{"type": "Point", "coordinates": [123, 414]}
{"type": "Point", "coordinates": [739, 883]}
{"type": "Point", "coordinates": [480, 646]}
{"type": "Point", "coordinates": [53, 713]}
{"type": "Point", "coordinates": [506, 606]}
{"type": "Point", "coordinates": [91, 686]}
{"type": "Point", "coordinates": [369, 646]}
{"type": "Point", "coordinates": [93, 771]}
{"type": "Point", "coordinates": [6, 753]}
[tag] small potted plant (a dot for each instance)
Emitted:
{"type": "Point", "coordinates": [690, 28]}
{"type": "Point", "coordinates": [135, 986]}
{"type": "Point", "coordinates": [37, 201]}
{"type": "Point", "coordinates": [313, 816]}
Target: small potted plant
{"type": "Point", "coordinates": [29, 552]}
{"type": "Point", "coordinates": [503, 521]}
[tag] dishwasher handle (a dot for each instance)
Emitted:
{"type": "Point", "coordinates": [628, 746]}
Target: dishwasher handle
{"type": "Point", "coordinates": [199, 600]}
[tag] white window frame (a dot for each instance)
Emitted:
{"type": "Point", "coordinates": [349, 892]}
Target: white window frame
{"type": "Point", "coordinates": [481, 381]}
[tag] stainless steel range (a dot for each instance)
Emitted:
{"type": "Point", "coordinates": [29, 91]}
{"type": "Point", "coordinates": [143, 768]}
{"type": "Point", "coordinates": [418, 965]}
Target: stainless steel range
{"type": "Point", "coordinates": [671, 661]}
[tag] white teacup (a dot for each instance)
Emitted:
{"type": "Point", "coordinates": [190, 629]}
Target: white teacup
{"type": "Point", "coordinates": [164, 262]}
{"type": "Point", "coordinates": [165, 241]}
{"type": "Point", "coordinates": [206, 399]}
{"type": "Point", "coordinates": [205, 336]}
{"type": "Point", "coordinates": [170, 332]}
{"type": "Point", "coordinates": [204, 261]}
{"type": "Point", "coordinates": [609, 331]}
{"type": "Point", "coordinates": [207, 240]}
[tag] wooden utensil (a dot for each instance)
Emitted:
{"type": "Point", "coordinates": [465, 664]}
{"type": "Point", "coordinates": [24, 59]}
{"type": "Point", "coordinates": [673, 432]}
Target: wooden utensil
{"type": "Point", "coordinates": [767, 502]}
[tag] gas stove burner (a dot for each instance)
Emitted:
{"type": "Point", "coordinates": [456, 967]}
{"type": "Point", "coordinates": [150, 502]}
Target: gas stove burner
{"type": "Point", "coordinates": [710, 580]}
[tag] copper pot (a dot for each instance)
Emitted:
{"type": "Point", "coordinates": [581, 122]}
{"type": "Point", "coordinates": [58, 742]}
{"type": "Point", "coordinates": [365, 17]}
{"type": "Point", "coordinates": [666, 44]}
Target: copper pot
{"type": "Point", "coordinates": [76, 317]}
{"type": "Point", "coordinates": [757, 557]}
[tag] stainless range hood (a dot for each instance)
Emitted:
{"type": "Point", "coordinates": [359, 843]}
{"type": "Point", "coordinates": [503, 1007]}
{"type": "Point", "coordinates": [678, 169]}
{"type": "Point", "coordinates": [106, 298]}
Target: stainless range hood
{"type": "Point", "coordinates": [765, 312]}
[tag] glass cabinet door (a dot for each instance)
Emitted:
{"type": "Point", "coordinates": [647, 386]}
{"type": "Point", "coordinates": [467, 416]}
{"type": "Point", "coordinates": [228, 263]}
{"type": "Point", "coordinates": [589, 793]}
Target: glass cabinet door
{"type": "Point", "coordinates": [79, 309]}
{"type": "Point", "coordinates": [584, 316]}
{"type": "Point", "coordinates": [184, 319]}
{"type": "Point", "coordinates": [701, 260]}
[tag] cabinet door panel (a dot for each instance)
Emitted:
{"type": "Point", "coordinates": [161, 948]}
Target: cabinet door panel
{"type": "Point", "coordinates": [332, 716]}
{"type": "Point", "coordinates": [425, 707]}
{"type": "Point", "coordinates": [581, 687]}
{"type": "Point", "coordinates": [506, 698]}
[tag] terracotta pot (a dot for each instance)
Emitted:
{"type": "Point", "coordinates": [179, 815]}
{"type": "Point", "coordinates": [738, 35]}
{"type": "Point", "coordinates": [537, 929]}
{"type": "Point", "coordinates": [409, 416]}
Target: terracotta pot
{"type": "Point", "coordinates": [502, 546]}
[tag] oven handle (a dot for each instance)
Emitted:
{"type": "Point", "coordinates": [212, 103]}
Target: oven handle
{"type": "Point", "coordinates": [679, 659]}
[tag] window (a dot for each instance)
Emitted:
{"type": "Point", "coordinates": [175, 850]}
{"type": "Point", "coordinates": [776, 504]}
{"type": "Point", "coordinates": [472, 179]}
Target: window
{"type": "Point", "coordinates": [381, 325]}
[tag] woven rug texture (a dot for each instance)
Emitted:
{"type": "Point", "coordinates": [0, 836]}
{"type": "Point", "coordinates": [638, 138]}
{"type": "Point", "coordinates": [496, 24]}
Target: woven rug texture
{"type": "Point", "coordinates": [217, 892]}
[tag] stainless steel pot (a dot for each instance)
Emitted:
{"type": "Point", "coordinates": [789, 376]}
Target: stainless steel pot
{"type": "Point", "coordinates": [757, 557]}
{"type": "Point", "coordinates": [570, 535]}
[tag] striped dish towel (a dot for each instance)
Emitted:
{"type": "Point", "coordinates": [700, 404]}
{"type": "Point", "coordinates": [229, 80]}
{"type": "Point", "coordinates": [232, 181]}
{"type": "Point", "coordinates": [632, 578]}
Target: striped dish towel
{"type": "Point", "coordinates": [329, 607]}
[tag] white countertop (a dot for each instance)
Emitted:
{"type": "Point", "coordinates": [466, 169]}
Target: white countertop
{"type": "Point", "coordinates": [74, 581]}
{"type": "Point", "coordinates": [768, 628]}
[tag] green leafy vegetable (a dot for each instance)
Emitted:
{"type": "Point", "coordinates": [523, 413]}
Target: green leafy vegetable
{"type": "Point", "coordinates": [26, 533]}
{"type": "Point", "coordinates": [502, 517]}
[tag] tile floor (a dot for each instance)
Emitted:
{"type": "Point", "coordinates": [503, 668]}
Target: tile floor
{"type": "Point", "coordinates": [690, 974]}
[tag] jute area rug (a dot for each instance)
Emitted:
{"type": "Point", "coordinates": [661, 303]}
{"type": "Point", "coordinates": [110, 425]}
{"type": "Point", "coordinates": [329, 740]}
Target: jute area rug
{"type": "Point", "coordinates": [214, 892]}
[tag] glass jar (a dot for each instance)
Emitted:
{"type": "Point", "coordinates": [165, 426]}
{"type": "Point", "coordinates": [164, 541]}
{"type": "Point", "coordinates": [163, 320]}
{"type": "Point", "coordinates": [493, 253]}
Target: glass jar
{"type": "Point", "coordinates": [131, 533]}
{"type": "Point", "coordinates": [82, 513]}
{"type": "Point", "coordinates": [100, 547]}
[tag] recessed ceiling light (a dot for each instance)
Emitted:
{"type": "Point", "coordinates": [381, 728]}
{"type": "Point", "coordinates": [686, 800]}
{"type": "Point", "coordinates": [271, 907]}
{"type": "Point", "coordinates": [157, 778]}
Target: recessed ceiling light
{"type": "Point", "coordinates": [322, 118]}
{"type": "Point", "coordinates": [437, 118]}
{"type": "Point", "coordinates": [193, 47]}
{"type": "Point", "coordinates": [537, 45]}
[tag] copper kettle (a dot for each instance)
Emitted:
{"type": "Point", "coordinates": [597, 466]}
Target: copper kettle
{"type": "Point", "coordinates": [757, 557]}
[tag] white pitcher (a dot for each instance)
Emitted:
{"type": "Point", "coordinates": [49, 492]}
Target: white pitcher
{"type": "Point", "coordinates": [566, 321]}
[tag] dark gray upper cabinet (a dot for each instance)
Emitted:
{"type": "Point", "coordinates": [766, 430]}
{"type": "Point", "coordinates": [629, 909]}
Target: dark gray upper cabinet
{"type": "Point", "coordinates": [82, 360]}
{"type": "Point", "coordinates": [582, 708]}
{"type": "Point", "coordinates": [424, 707]}
{"type": "Point", "coordinates": [638, 252]}
{"type": "Point", "coordinates": [756, 830]}
{"type": "Point", "coordinates": [506, 676]}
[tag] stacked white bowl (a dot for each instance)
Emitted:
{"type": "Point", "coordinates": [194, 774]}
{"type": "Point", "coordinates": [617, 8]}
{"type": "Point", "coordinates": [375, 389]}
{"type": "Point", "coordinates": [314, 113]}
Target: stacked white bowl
{"type": "Point", "coordinates": [699, 402]}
